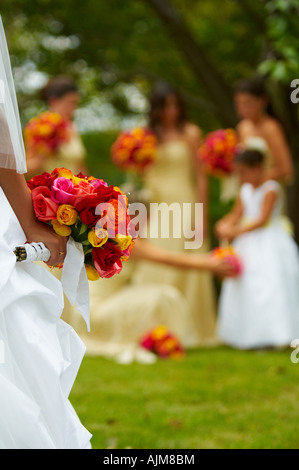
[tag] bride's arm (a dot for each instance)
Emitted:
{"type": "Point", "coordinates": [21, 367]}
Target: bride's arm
{"type": "Point", "coordinates": [18, 195]}
{"type": "Point", "coordinates": [143, 250]}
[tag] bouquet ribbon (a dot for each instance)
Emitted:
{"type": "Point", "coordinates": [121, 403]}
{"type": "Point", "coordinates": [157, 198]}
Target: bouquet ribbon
{"type": "Point", "coordinates": [74, 279]}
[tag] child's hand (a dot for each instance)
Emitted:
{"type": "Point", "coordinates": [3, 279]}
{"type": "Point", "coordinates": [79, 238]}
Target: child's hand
{"type": "Point", "coordinates": [221, 268]}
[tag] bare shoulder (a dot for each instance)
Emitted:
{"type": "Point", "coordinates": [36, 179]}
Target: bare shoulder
{"type": "Point", "coordinates": [271, 126]}
{"type": "Point", "coordinates": [244, 127]}
{"type": "Point", "coordinates": [192, 132]}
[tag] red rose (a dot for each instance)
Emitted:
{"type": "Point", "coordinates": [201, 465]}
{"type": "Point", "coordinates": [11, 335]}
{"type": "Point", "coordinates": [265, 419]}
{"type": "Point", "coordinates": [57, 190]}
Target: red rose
{"type": "Point", "coordinates": [45, 209]}
{"type": "Point", "coordinates": [105, 193]}
{"type": "Point", "coordinates": [41, 180]}
{"type": "Point", "coordinates": [107, 260]}
{"type": "Point", "coordinates": [88, 215]}
{"type": "Point", "coordinates": [83, 195]}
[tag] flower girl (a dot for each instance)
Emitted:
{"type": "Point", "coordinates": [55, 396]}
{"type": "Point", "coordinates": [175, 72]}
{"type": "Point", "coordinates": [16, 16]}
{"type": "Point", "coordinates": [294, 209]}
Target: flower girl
{"type": "Point", "coordinates": [261, 307]}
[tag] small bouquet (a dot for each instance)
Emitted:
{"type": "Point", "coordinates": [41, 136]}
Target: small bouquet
{"type": "Point", "coordinates": [45, 133]}
{"type": "Point", "coordinates": [94, 214]}
{"type": "Point", "coordinates": [134, 150]}
{"type": "Point", "coordinates": [229, 254]}
{"type": "Point", "coordinates": [218, 152]}
{"type": "Point", "coordinates": [163, 343]}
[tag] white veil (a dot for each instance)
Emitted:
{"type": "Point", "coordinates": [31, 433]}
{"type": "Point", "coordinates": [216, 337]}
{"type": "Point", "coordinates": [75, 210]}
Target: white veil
{"type": "Point", "coordinates": [12, 151]}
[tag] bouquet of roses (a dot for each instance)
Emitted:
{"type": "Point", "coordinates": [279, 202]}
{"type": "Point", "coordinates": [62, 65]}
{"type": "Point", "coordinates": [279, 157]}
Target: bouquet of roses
{"type": "Point", "coordinates": [230, 255]}
{"type": "Point", "coordinates": [163, 343]}
{"type": "Point", "coordinates": [134, 150]}
{"type": "Point", "coordinates": [218, 152]}
{"type": "Point", "coordinates": [94, 214]}
{"type": "Point", "coordinates": [45, 133]}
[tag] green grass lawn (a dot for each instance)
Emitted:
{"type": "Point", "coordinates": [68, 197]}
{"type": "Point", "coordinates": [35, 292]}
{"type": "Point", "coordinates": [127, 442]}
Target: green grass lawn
{"type": "Point", "coordinates": [212, 399]}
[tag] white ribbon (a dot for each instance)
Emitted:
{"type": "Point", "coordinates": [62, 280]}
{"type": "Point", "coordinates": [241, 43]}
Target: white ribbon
{"type": "Point", "coordinates": [74, 279]}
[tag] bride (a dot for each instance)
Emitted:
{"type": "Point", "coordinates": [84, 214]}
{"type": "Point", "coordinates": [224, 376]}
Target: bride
{"type": "Point", "coordinates": [42, 354]}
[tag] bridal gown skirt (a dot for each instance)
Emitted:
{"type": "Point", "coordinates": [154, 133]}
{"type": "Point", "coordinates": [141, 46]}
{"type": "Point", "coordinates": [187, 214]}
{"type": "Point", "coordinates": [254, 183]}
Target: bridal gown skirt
{"type": "Point", "coordinates": [40, 353]}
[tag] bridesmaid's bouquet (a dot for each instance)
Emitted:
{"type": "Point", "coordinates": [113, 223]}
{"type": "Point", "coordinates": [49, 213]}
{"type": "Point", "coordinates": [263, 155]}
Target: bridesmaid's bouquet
{"type": "Point", "coordinates": [163, 343]}
{"type": "Point", "coordinates": [46, 133]}
{"type": "Point", "coordinates": [230, 255]}
{"type": "Point", "coordinates": [91, 212]}
{"type": "Point", "coordinates": [134, 150]}
{"type": "Point", "coordinates": [218, 152]}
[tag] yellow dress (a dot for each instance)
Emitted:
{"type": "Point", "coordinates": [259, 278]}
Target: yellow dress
{"type": "Point", "coordinates": [172, 179]}
{"type": "Point", "coordinates": [122, 312]}
{"type": "Point", "coordinates": [70, 155]}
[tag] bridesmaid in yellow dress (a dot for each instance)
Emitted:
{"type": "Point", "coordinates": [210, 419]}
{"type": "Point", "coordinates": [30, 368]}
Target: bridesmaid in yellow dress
{"type": "Point", "coordinates": [62, 97]}
{"type": "Point", "coordinates": [177, 177]}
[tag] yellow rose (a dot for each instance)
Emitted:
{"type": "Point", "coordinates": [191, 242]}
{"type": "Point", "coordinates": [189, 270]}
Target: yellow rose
{"type": "Point", "coordinates": [60, 229]}
{"type": "Point", "coordinates": [76, 180]}
{"type": "Point", "coordinates": [97, 237]}
{"type": "Point", "coordinates": [45, 130]}
{"type": "Point", "coordinates": [55, 118]}
{"type": "Point", "coordinates": [63, 173]}
{"type": "Point", "coordinates": [67, 214]}
{"type": "Point", "coordinates": [123, 241]}
{"type": "Point", "coordinates": [159, 333]}
{"type": "Point", "coordinates": [138, 133]}
{"type": "Point", "coordinates": [92, 273]}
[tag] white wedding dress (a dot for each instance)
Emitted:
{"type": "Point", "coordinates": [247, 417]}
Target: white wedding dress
{"type": "Point", "coordinates": [42, 354]}
{"type": "Point", "coordinates": [261, 307]}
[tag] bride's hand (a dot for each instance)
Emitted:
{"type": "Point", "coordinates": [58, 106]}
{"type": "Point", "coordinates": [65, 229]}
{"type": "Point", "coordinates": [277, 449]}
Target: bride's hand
{"type": "Point", "coordinates": [56, 244]}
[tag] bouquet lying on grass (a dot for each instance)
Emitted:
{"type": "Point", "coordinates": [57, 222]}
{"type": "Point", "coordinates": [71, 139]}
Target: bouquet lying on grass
{"type": "Point", "coordinates": [91, 212]}
{"type": "Point", "coordinates": [218, 152]}
{"type": "Point", "coordinates": [163, 343]}
{"type": "Point", "coordinates": [46, 133]}
{"type": "Point", "coordinates": [134, 150]}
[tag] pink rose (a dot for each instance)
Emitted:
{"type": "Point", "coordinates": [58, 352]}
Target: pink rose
{"type": "Point", "coordinates": [83, 195]}
{"type": "Point", "coordinates": [62, 189]}
{"type": "Point", "coordinates": [45, 209]}
{"type": "Point", "coordinates": [96, 183]}
{"type": "Point", "coordinates": [148, 343]}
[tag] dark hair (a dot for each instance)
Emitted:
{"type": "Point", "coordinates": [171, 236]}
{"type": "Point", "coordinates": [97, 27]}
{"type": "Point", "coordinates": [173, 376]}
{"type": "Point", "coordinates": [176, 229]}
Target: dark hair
{"type": "Point", "coordinates": [251, 158]}
{"type": "Point", "coordinates": [58, 87]}
{"type": "Point", "coordinates": [256, 87]}
{"type": "Point", "coordinates": [157, 101]}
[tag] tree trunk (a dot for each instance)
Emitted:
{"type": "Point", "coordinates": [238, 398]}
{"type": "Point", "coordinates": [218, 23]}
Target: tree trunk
{"type": "Point", "coordinates": [219, 91]}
